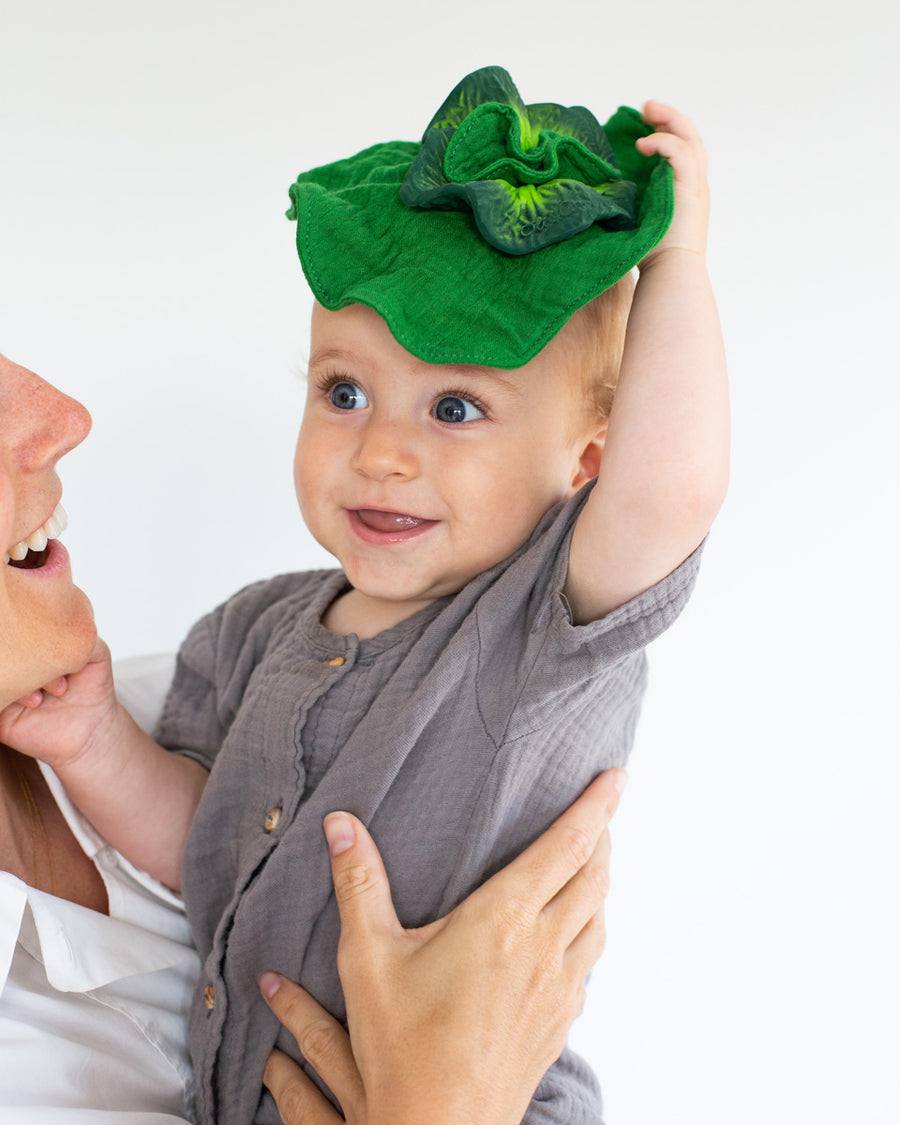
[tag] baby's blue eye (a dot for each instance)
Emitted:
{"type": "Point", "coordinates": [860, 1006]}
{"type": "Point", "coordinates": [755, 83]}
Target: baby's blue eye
{"type": "Point", "coordinates": [347, 396]}
{"type": "Point", "coordinates": [452, 409]}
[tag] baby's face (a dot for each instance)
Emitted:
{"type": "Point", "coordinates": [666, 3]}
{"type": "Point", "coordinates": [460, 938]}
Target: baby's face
{"type": "Point", "coordinates": [419, 476]}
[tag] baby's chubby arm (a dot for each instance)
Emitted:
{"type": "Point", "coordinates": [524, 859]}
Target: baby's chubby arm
{"type": "Point", "coordinates": [138, 796]}
{"type": "Point", "coordinates": [664, 468]}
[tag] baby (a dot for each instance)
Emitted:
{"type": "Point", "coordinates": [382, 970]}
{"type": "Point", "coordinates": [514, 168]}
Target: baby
{"type": "Point", "coordinates": [510, 538]}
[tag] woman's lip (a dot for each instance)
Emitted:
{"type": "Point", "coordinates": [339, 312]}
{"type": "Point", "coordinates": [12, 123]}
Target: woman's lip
{"type": "Point", "coordinates": [405, 527]}
{"type": "Point", "coordinates": [56, 563]}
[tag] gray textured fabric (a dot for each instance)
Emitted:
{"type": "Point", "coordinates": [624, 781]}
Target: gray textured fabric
{"type": "Point", "coordinates": [457, 736]}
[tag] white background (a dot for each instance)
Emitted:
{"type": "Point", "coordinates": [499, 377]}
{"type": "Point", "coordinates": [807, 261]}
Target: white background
{"type": "Point", "coordinates": [146, 267]}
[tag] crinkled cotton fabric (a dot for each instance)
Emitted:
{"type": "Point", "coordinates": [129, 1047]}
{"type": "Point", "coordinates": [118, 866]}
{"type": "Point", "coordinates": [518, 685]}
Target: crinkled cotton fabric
{"type": "Point", "coordinates": [457, 737]}
{"type": "Point", "coordinates": [368, 233]}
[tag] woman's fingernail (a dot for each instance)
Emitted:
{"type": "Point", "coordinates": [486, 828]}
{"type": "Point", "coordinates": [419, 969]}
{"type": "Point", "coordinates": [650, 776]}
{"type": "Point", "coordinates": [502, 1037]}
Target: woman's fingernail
{"type": "Point", "coordinates": [269, 983]}
{"type": "Point", "coordinates": [620, 781]}
{"type": "Point", "coordinates": [339, 832]}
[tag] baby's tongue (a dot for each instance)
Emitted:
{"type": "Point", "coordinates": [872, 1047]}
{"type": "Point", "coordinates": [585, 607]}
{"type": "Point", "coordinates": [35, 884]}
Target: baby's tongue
{"type": "Point", "coordinates": [387, 521]}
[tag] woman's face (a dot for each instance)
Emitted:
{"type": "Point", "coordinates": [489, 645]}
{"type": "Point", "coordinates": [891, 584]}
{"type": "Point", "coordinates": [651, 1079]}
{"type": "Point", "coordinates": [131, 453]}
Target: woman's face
{"type": "Point", "coordinates": [46, 624]}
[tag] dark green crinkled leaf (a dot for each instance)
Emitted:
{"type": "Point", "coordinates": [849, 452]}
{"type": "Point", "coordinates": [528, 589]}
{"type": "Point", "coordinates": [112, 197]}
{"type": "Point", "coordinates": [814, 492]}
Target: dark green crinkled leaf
{"type": "Point", "coordinates": [490, 146]}
{"type": "Point", "coordinates": [522, 219]}
{"type": "Point", "coordinates": [490, 84]}
{"type": "Point", "coordinates": [425, 180]}
{"type": "Point", "coordinates": [532, 175]}
{"type": "Point", "coordinates": [573, 121]}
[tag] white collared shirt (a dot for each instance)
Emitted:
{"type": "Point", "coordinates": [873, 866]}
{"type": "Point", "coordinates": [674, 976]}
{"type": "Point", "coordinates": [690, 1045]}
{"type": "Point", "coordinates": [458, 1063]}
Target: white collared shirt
{"type": "Point", "coordinates": [93, 1008]}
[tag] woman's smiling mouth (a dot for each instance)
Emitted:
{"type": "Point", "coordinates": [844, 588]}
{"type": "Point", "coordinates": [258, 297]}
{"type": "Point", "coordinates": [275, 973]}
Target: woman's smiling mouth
{"type": "Point", "coordinates": [31, 553]}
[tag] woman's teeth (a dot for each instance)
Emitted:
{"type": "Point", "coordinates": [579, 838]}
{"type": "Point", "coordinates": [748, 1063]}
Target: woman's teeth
{"type": "Point", "coordinates": [37, 541]}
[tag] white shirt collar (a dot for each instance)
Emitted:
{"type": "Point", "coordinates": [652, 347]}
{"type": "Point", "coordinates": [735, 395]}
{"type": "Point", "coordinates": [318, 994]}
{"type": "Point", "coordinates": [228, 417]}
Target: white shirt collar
{"type": "Point", "coordinates": [81, 949]}
{"type": "Point", "coordinates": [93, 1007]}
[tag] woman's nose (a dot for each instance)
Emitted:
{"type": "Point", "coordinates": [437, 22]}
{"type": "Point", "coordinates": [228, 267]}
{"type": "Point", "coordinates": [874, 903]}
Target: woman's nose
{"type": "Point", "coordinates": [40, 422]}
{"type": "Point", "coordinates": [386, 448]}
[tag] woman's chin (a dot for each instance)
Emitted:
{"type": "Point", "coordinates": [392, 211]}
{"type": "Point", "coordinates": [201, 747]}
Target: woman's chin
{"type": "Point", "coordinates": [78, 631]}
{"type": "Point", "coordinates": [54, 650]}
{"type": "Point", "coordinates": [75, 632]}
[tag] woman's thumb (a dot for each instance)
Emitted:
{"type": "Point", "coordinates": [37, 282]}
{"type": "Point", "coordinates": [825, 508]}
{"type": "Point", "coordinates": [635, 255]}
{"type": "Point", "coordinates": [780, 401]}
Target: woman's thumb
{"type": "Point", "coordinates": [360, 882]}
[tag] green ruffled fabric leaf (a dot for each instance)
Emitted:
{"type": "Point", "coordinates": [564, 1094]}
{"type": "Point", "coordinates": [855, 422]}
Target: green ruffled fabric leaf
{"type": "Point", "coordinates": [531, 175]}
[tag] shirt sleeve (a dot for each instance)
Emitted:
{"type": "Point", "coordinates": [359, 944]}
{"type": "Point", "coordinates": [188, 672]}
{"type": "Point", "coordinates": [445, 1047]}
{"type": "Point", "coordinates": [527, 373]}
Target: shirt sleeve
{"type": "Point", "coordinates": [190, 723]}
{"type": "Point", "coordinates": [631, 626]}
{"type": "Point", "coordinates": [214, 666]}
{"type": "Point", "coordinates": [535, 664]}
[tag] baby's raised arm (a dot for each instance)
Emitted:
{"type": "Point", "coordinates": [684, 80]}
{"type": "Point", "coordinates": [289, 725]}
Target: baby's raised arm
{"type": "Point", "coordinates": [664, 468]}
{"type": "Point", "coordinates": [138, 796]}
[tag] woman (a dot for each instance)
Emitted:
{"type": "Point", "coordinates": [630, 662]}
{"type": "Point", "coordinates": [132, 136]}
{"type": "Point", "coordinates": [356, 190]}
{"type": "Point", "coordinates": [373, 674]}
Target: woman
{"type": "Point", "coordinates": [456, 1021]}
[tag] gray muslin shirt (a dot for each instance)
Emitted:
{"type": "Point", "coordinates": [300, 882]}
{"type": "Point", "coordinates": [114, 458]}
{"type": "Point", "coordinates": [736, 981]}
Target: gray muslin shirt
{"type": "Point", "coordinates": [457, 737]}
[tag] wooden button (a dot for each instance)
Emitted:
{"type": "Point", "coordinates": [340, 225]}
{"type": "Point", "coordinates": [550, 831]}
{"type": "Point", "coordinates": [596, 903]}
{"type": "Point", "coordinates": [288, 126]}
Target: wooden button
{"type": "Point", "coordinates": [335, 661]}
{"type": "Point", "coordinates": [209, 997]}
{"type": "Point", "coordinates": [272, 818]}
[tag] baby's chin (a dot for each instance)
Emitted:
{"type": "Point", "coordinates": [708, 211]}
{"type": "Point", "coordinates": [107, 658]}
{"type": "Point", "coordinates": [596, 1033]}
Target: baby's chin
{"type": "Point", "coordinates": [409, 594]}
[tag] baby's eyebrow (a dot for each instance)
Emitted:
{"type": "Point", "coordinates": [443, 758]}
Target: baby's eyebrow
{"type": "Point", "coordinates": [494, 374]}
{"type": "Point", "coordinates": [330, 355]}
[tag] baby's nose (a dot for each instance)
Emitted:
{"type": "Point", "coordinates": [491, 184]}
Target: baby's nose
{"type": "Point", "coordinates": [386, 449]}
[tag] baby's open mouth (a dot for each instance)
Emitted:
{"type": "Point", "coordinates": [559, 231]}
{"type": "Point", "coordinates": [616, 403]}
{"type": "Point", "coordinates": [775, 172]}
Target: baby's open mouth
{"type": "Point", "coordinates": [388, 521]}
{"type": "Point", "coordinates": [31, 553]}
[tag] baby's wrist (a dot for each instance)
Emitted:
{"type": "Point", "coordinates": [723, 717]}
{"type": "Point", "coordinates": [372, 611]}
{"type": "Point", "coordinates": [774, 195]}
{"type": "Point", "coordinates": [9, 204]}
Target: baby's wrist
{"type": "Point", "coordinates": [678, 256]}
{"type": "Point", "coordinates": [101, 742]}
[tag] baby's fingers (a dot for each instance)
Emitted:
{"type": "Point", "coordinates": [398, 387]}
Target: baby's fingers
{"type": "Point", "coordinates": [31, 701]}
{"type": "Point", "coordinates": [34, 699]}
{"type": "Point", "coordinates": [57, 687]}
{"type": "Point", "coordinates": [688, 162]}
{"type": "Point", "coordinates": [665, 119]}
{"type": "Point", "coordinates": [676, 139]}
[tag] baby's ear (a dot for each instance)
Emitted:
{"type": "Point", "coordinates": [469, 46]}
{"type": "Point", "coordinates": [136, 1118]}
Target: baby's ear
{"type": "Point", "coordinates": [588, 464]}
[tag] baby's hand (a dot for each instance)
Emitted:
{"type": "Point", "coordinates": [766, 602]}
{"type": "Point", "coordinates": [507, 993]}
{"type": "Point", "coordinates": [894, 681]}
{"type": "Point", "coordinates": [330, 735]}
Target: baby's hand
{"type": "Point", "coordinates": [676, 139]}
{"type": "Point", "coordinates": [67, 717]}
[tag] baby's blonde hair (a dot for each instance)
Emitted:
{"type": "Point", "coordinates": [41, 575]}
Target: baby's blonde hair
{"type": "Point", "coordinates": [594, 338]}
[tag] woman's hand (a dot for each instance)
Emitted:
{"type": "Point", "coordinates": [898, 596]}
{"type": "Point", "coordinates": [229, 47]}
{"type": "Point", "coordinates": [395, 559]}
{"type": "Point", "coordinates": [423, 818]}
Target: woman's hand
{"type": "Point", "coordinates": [456, 1021]}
